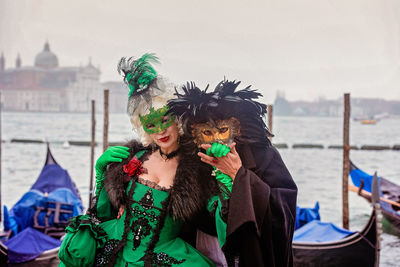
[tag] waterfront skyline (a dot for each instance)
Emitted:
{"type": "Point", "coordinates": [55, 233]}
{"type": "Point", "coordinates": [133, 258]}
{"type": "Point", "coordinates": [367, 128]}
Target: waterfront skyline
{"type": "Point", "coordinates": [308, 49]}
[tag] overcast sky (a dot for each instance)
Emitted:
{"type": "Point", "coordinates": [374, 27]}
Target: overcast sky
{"type": "Point", "coordinates": [307, 48]}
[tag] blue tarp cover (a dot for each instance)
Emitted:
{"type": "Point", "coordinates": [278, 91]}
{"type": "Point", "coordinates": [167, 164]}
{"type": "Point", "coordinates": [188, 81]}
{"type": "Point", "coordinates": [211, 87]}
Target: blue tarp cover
{"type": "Point", "coordinates": [317, 231]}
{"type": "Point", "coordinates": [357, 175]}
{"type": "Point", "coordinates": [28, 245]}
{"type": "Point", "coordinates": [24, 210]}
{"type": "Point", "coordinates": [52, 177]}
{"type": "Point", "coordinates": [306, 215]}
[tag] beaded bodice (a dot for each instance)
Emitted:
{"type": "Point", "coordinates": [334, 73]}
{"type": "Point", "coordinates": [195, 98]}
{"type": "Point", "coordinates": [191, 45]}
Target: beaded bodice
{"type": "Point", "coordinates": [147, 209]}
{"type": "Point", "coordinates": [150, 226]}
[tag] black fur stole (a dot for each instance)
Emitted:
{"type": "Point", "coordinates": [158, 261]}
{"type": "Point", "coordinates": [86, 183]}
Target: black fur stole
{"type": "Point", "coordinates": [193, 184]}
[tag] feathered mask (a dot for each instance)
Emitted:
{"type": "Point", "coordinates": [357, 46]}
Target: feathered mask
{"type": "Point", "coordinates": [196, 106]}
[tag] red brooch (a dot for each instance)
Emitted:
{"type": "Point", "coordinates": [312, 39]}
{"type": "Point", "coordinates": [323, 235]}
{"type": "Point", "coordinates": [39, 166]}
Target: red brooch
{"type": "Point", "coordinates": [134, 167]}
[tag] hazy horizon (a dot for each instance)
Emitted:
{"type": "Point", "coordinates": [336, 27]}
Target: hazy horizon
{"type": "Point", "coordinates": [309, 49]}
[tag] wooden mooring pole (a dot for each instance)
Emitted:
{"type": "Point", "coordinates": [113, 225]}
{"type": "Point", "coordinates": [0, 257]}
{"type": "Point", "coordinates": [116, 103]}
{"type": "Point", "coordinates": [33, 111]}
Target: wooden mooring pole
{"type": "Point", "coordinates": [270, 113]}
{"type": "Point", "coordinates": [346, 161]}
{"type": "Point", "coordinates": [92, 145]}
{"type": "Point", "coordinates": [105, 125]}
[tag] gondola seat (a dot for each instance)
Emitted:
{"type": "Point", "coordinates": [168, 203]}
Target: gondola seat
{"type": "Point", "coordinates": [53, 218]}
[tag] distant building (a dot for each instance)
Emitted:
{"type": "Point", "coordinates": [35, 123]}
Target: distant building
{"type": "Point", "coordinates": [46, 86]}
{"type": "Point", "coordinates": [360, 107]}
{"type": "Point", "coordinates": [281, 105]}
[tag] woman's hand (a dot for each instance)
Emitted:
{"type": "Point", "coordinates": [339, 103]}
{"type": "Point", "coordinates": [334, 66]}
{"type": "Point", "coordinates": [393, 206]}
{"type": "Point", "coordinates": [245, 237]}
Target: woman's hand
{"type": "Point", "coordinates": [228, 164]}
{"type": "Point", "coordinates": [120, 211]}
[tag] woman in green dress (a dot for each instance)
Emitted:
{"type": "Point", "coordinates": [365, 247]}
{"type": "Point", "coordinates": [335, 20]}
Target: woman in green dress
{"type": "Point", "coordinates": [146, 192]}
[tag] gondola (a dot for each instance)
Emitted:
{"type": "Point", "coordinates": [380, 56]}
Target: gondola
{"type": "Point", "coordinates": [389, 192]}
{"type": "Point", "coordinates": [306, 215]}
{"type": "Point", "coordinates": [343, 249]}
{"type": "Point", "coordinates": [38, 220]}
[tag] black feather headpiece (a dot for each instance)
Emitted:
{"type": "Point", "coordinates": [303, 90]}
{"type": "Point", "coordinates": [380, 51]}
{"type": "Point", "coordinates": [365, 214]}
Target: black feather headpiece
{"type": "Point", "coordinates": [194, 105]}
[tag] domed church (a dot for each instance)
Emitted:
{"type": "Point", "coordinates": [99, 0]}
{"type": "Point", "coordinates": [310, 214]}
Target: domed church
{"type": "Point", "coordinates": [47, 86]}
{"type": "Point", "coordinates": [46, 59]}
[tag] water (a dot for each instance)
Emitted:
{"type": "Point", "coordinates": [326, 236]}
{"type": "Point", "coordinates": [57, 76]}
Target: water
{"type": "Point", "coordinates": [317, 172]}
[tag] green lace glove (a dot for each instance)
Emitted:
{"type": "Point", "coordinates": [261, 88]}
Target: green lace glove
{"type": "Point", "coordinates": [218, 150]}
{"type": "Point", "coordinates": [112, 154]}
{"type": "Point", "coordinates": [224, 179]}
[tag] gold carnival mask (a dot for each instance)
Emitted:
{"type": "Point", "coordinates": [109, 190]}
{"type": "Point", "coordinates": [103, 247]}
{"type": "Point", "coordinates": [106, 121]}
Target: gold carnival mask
{"type": "Point", "coordinates": [220, 131]}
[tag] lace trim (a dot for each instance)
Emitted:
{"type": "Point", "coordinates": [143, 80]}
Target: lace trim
{"type": "Point", "coordinates": [104, 254]}
{"type": "Point", "coordinates": [164, 260]}
{"type": "Point", "coordinates": [152, 184]}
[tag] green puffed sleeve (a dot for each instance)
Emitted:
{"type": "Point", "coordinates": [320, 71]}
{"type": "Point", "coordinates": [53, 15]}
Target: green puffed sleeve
{"type": "Point", "coordinates": [216, 207]}
{"type": "Point", "coordinates": [84, 236]}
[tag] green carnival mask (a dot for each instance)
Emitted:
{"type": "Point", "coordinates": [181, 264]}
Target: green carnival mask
{"type": "Point", "coordinates": [157, 120]}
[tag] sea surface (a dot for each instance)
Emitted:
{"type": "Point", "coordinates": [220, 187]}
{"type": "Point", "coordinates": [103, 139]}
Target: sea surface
{"type": "Point", "coordinates": [317, 172]}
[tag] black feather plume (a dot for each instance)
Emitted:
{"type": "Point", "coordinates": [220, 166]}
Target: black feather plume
{"type": "Point", "coordinates": [194, 105]}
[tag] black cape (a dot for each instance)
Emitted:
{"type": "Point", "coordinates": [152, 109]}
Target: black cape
{"type": "Point", "coordinates": [262, 210]}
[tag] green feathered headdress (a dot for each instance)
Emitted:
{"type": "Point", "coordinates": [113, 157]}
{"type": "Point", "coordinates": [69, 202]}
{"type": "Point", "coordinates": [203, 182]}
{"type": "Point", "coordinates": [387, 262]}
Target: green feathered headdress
{"type": "Point", "coordinates": [143, 81]}
{"type": "Point", "coordinates": [138, 74]}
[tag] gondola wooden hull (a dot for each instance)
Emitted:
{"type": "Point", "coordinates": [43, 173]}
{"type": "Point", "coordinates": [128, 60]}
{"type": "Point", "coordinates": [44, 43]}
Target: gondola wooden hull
{"type": "Point", "coordinates": [358, 249]}
{"type": "Point", "coordinates": [389, 191]}
{"type": "Point", "coordinates": [391, 221]}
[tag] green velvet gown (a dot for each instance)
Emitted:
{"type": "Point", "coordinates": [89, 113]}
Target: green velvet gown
{"type": "Point", "coordinates": [151, 236]}
{"type": "Point", "coordinates": [147, 225]}
{"type": "Point", "coordinates": [147, 211]}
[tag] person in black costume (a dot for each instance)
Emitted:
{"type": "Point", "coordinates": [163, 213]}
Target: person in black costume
{"type": "Point", "coordinates": [261, 207]}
